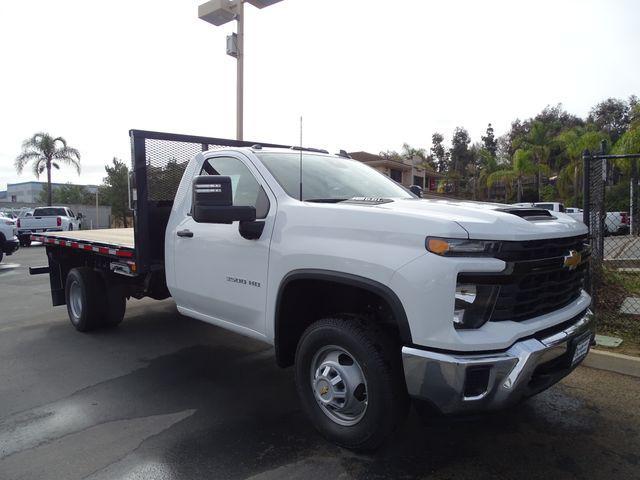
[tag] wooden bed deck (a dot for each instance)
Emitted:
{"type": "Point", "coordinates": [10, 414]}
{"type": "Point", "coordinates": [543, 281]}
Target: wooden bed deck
{"type": "Point", "coordinates": [117, 237]}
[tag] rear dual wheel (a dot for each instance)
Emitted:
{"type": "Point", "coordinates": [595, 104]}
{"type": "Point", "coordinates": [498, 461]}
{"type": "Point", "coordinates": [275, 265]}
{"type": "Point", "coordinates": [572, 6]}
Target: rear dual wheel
{"type": "Point", "coordinates": [90, 303]}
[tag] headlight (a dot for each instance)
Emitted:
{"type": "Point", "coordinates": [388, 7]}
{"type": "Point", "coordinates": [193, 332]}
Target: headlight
{"type": "Point", "coordinates": [460, 247]}
{"type": "Point", "coordinates": [474, 305]}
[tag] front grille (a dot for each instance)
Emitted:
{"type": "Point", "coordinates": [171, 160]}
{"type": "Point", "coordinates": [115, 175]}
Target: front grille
{"type": "Point", "coordinates": [535, 281]}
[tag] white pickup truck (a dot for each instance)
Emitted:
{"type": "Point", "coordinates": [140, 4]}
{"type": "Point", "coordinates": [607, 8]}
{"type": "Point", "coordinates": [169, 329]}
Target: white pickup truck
{"type": "Point", "coordinates": [46, 219]}
{"type": "Point", "coordinates": [375, 296]}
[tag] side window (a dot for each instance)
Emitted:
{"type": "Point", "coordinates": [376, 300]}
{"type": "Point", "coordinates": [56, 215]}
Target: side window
{"type": "Point", "coordinates": [247, 192]}
{"type": "Point", "coordinates": [71, 213]}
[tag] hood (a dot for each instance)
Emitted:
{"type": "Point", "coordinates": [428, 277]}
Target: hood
{"type": "Point", "coordinates": [489, 221]}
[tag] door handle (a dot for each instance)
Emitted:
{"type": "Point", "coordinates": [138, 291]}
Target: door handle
{"type": "Point", "coordinates": [184, 233]}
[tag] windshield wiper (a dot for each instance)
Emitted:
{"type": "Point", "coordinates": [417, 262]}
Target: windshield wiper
{"type": "Point", "coordinates": [326, 200]}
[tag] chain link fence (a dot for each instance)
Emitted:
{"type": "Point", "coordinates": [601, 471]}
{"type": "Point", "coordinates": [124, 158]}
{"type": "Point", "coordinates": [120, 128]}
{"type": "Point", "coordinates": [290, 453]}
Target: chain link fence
{"type": "Point", "coordinates": [615, 251]}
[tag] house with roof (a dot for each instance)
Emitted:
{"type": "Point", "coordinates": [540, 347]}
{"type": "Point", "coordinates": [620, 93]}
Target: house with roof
{"type": "Point", "coordinates": [404, 171]}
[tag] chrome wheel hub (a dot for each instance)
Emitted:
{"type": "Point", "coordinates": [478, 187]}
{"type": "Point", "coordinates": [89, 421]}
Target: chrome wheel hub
{"type": "Point", "coordinates": [339, 386]}
{"type": "Point", "coordinates": [75, 300]}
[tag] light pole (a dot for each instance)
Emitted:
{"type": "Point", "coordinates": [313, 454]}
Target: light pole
{"type": "Point", "coordinates": [219, 12]}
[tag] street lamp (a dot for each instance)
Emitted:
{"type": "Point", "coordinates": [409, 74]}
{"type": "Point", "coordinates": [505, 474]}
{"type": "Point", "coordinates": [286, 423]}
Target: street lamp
{"type": "Point", "coordinates": [219, 12]}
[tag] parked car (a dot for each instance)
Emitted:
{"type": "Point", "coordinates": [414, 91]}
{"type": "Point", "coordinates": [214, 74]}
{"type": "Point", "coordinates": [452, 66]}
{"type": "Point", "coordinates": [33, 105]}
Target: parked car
{"type": "Point", "coordinates": [8, 236]}
{"type": "Point", "coordinates": [373, 295]}
{"type": "Point", "coordinates": [616, 223]}
{"type": "Point", "coordinates": [10, 215]}
{"type": "Point", "coordinates": [46, 219]}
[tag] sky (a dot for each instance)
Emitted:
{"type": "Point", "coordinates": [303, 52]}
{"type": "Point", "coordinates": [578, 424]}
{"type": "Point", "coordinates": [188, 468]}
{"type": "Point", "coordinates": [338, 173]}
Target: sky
{"type": "Point", "coordinates": [364, 74]}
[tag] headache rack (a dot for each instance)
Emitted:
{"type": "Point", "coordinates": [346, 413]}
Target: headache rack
{"type": "Point", "coordinates": [158, 161]}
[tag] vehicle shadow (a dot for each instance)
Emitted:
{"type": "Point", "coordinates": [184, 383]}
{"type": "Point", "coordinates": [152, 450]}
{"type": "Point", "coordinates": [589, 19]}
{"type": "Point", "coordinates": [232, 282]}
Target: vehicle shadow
{"type": "Point", "coordinates": [244, 419]}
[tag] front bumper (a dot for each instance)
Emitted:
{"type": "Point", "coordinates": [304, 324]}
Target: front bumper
{"type": "Point", "coordinates": [457, 383]}
{"type": "Point", "coordinates": [10, 246]}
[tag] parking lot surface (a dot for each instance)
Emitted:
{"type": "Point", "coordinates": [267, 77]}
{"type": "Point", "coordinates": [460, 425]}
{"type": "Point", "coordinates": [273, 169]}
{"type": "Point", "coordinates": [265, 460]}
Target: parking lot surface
{"type": "Point", "coordinates": [167, 397]}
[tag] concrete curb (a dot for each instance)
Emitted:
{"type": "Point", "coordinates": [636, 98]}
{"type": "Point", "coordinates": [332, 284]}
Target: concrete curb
{"type": "Point", "coordinates": [613, 362]}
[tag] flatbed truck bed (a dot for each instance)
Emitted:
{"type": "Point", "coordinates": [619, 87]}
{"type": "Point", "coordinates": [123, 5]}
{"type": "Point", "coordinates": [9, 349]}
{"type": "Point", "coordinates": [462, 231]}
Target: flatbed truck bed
{"type": "Point", "coordinates": [118, 242]}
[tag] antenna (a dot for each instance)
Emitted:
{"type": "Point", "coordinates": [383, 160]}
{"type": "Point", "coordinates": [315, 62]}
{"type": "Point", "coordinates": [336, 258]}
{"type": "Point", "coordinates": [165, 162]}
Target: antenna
{"type": "Point", "coordinates": [300, 157]}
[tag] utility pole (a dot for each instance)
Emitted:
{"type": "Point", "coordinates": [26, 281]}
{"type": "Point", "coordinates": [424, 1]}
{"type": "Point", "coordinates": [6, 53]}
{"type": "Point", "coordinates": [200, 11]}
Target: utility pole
{"type": "Point", "coordinates": [240, 72]}
{"type": "Point", "coordinates": [219, 12]}
{"type": "Point", "coordinates": [97, 214]}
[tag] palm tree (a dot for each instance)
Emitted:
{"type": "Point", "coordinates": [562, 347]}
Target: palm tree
{"type": "Point", "coordinates": [629, 143]}
{"type": "Point", "coordinates": [539, 142]}
{"type": "Point", "coordinates": [488, 165]}
{"type": "Point", "coordinates": [45, 152]}
{"type": "Point", "coordinates": [575, 141]}
{"type": "Point", "coordinates": [522, 166]}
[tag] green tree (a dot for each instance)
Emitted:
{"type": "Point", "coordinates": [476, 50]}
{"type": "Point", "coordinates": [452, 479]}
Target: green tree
{"type": "Point", "coordinates": [613, 116]}
{"type": "Point", "coordinates": [539, 142]}
{"type": "Point", "coordinates": [68, 194]}
{"type": "Point", "coordinates": [629, 143]}
{"type": "Point", "coordinates": [417, 157]}
{"type": "Point", "coordinates": [438, 152]}
{"type": "Point", "coordinates": [489, 141]}
{"type": "Point", "coordinates": [115, 190]}
{"type": "Point", "coordinates": [522, 166]}
{"type": "Point", "coordinates": [487, 164]}
{"type": "Point", "coordinates": [46, 152]}
{"type": "Point", "coordinates": [459, 152]}
{"type": "Point", "coordinates": [574, 141]}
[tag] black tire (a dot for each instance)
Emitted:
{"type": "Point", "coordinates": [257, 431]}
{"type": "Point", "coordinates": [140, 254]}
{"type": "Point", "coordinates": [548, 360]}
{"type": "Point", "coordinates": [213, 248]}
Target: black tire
{"type": "Point", "coordinates": [70, 226]}
{"type": "Point", "coordinates": [1, 255]}
{"type": "Point", "coordinates": [116, 306]}
{"type": "Point", "coordinates": [88, 314]}
{"type": "Point", "coordinates": [378, 355]}
{"type": "Point", "coordinates": [25, 241]}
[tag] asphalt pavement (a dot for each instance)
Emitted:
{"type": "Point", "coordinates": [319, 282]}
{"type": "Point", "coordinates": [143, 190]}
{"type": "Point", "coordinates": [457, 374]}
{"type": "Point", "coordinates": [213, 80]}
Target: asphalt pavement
{"type": "Point", "coordinates": [167, 397]}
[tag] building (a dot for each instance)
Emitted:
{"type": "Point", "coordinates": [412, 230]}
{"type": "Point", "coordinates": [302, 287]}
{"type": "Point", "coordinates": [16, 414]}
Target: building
{"type": "Point", "coordinates": [403, 171]}
{"type": "Point", "coordinates": [29, 192]}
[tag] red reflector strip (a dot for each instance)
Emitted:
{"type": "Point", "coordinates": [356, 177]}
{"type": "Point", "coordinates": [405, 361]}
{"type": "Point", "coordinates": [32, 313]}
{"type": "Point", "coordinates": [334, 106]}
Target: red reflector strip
{"type": "Point", "coordinates": [82, 246]}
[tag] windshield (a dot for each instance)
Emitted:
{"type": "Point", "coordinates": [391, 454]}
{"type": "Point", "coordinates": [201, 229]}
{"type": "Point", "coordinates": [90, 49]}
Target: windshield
{"type": "Point", "coordinates": [326, 178]}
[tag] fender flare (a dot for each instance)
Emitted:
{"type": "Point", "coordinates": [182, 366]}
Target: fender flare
{"type": "Point", "coordinates": [351, 280]}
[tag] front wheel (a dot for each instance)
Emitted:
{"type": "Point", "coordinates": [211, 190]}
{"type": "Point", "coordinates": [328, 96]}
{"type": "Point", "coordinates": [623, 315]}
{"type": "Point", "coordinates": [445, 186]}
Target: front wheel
{"type": "Point", "coordinates": [350, 382]}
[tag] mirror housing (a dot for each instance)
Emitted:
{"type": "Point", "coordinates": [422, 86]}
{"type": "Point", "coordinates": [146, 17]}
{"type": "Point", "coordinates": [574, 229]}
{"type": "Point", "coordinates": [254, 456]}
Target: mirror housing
{"type": "Point", "coordinates": [212, 201]}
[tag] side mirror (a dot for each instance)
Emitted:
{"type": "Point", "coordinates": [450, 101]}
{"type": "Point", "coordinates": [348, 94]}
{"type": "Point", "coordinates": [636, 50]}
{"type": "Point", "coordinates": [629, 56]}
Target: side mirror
{"type": "Point", "coordinates": [213, 201]}
{"type": "Point", "coordinates": [416, 190]}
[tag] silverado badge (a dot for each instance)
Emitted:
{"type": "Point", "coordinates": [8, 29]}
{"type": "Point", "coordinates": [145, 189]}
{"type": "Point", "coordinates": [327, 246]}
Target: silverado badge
{"type": "Point", "coordinates": [572, 260]}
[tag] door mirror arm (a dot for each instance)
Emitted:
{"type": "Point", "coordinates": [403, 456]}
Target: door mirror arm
{"type": "Point", "coordinates": [251, 230]}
